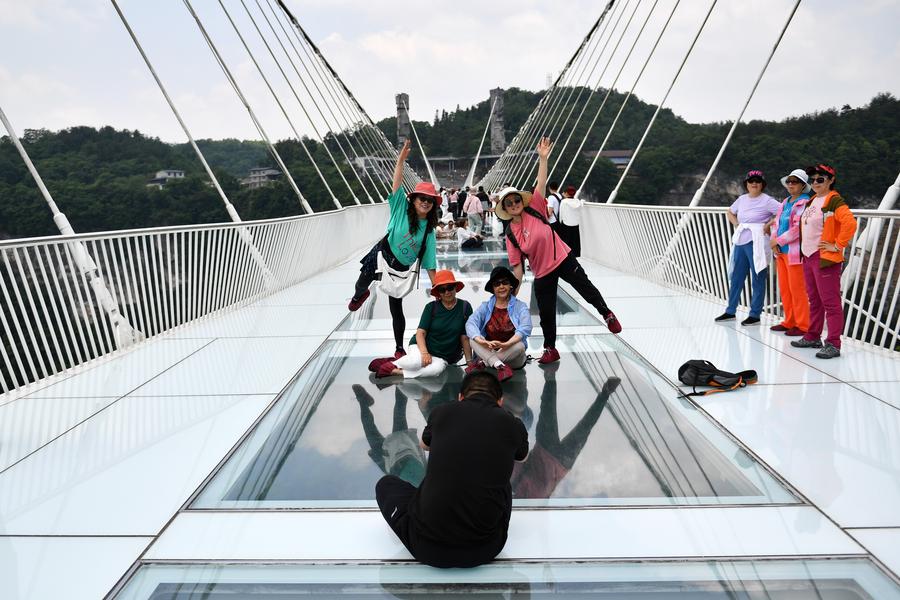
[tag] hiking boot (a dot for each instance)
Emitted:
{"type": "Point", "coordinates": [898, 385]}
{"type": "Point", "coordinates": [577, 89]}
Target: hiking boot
{"type": "Point", "coordinates": [829, 351]}
{"type": "Point", "coordinates": [399, 353]}
{"type": "Point", "coordinates": [355, 303]}
{"type": "Point", "coordinates": [612, 323]}
{"type": "Point", "coordinates": [725, 317]}
{"type": "Point", "coordinates": [504, 372]}
{"type": "Point", "coordinates": [476, 365]}
{"type": "Point", "coordinates": [805, 343]}
{"type": "Point", "coordinates": [794, 332]}
{"type": "Point", "coordinates": [386, 369]}
{"type": "Point", "coordinates": [373, 366]}
{"type": "Point", "coordinates": [362, 396]}
{"type": "Point", "coordinates": [550, 355]}
{"type": "Point", "coordinates": [750, 321]}
{"type": "Point", "coordinates": [778, 327]}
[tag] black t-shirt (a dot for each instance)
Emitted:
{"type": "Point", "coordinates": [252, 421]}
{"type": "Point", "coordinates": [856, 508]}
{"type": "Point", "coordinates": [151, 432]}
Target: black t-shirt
{"type": "Point", "coordinates": [465, 498]}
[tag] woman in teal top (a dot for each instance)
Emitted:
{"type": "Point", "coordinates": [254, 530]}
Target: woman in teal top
{"type": "Point", "coordinates": [412, 222]}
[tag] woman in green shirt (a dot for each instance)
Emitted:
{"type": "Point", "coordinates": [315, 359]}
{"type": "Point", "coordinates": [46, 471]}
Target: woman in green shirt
{"type": "Point", "coordinates": [412, 222]}
{"type": "Point", "coordinates": [440, 339]}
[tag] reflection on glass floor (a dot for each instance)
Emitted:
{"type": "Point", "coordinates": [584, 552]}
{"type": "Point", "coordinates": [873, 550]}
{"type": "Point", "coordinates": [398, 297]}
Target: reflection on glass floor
{"type": "Point", "coordinates": [325, 444]}
{"type": "Point", "coordinates": [726, 580]}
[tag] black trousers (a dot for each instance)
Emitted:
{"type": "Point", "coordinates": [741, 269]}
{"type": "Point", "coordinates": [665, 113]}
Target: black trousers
{"type": "Point", "coordinates": [394, 496]}
{"type": "Point", "coordinates": [546, 287]}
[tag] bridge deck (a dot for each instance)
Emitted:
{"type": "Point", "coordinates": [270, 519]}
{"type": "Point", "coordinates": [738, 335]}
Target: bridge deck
{"type": "Point", "coordinates": [115, 462]}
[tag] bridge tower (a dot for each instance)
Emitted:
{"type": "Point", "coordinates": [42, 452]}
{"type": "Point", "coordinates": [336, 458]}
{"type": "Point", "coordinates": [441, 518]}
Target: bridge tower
{"type": "Point", "coordinates": [498, 133]}
{"type": "Point", "coordinates": [403, 127]}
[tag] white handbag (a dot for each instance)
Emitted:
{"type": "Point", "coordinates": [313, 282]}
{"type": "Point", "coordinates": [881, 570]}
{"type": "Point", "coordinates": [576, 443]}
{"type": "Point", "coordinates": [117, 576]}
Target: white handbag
{"type": "Point", "coordinates": [398, 284]}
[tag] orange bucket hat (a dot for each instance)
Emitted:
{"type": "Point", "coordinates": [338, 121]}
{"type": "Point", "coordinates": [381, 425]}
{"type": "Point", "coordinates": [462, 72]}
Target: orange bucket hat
{"type": "Point", "coordinates": [445, 278]}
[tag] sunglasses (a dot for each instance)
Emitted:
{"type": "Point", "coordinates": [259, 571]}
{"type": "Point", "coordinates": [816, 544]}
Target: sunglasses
{"type": "Point", "coordinates": [754, 180]}
{"type": "Point", "coordinates": [794, 182]}
{"type": "Point", "coordinates": [502, 282]}
{"type": "Point", "coordinates": [512, 201]}
{"type": "Point", "coordinates": [443, 289]}
{"type": "Point", "coordinates": [427, 199]}
{"type": "Point", "coordinates": [817, 180]}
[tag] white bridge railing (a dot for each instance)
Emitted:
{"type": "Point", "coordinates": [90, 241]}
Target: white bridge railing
{"type": "Point", "coordinates": [688, 248]}
{"type": "Point", "coordinates": [160, 279]}
{"type": "Point", "coordinates": [163, 278]}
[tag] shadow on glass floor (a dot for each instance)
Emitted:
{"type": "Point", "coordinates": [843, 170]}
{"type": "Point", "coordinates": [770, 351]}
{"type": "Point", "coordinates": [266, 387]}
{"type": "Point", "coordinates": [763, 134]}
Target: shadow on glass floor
{"type": "Point", "coordinates": [842, 579]}
{"type": "Point", "coordinates": [336, 431]}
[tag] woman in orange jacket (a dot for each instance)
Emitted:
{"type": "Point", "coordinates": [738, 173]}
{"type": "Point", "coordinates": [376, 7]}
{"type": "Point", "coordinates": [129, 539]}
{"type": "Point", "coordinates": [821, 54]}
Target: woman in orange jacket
{"type": "Point", "coordinates": [826, 228]}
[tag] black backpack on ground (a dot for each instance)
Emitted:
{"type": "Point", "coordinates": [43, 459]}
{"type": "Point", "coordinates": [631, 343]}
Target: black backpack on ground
{"type": "Point", "coordinates": [703, 372]}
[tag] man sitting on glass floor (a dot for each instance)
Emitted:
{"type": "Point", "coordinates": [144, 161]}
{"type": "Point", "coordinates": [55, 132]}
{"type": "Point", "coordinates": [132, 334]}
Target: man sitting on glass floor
{"type": "Point", "coordinates": [459, 516]}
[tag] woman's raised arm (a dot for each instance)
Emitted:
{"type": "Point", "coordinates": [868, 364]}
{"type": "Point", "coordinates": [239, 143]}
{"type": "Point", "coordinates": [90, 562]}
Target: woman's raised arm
{"type": "Point", "coordinates": [398, 168]}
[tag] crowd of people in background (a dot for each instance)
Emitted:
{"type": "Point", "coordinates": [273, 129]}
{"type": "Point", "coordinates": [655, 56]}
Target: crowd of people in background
{"type": "Point", "coordinates": [442, 522]}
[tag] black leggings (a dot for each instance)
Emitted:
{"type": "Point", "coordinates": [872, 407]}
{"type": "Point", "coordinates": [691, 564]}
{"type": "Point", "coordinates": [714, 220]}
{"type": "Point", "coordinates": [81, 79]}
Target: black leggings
{"type": "Point", "coordinates": [546, 287]}
{"type": "Point", "coordinates": [398, 319]}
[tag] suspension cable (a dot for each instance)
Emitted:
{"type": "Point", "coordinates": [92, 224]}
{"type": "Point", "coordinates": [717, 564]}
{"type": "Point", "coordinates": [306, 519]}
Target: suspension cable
{"type": "Point", "coordinates": [612, 85]}
{"type": "Point", "coordinates": [595, 88]}
{"type": "Point", "coordinates": [337, 133]}
{"type": "Point", "coordinates": [471, 176]}
{"type": "Point", "coordinates": [246, 104]}
{"type": "Point", "coordinates": [580, 86]}
{"type": "Point", "coordinates": [699, 193]}
{"type": "Point", "coordinates": [615, 192]}
{"type": "Point", "coordinates": [431, 174]}
{"type": "Point", "coordinates": [281, 106]}
{"type": "Point", "coordinates": [630, 92]}
{"type": "Point", "coordinates": [319, 134]}
{"type": "Point", "coordinates": [409, 174]}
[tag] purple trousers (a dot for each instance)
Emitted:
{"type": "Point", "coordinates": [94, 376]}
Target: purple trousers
{"type": "Point", "coordinates": [823, 287]}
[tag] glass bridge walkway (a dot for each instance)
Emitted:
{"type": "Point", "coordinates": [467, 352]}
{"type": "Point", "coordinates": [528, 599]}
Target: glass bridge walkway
{"type": "Point", "coordinates": [230, 459]}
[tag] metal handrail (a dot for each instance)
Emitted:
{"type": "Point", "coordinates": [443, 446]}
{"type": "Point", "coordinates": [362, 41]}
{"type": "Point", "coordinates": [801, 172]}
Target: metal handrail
{"type": "Point", "coordinates": [687, 248]}
{"type": "Point", "coordinates": [162, 278]}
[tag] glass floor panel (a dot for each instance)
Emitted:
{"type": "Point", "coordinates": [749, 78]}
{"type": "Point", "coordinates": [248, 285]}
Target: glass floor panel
{"type": "Point", "coordinates": [322, 446]}
{"type": "Point", "coordinates": [844, 579]}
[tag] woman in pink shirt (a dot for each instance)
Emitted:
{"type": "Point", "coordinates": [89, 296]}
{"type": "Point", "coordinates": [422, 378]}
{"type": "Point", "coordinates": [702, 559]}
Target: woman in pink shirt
{"type": "Point", "coordinates": [528, 235]}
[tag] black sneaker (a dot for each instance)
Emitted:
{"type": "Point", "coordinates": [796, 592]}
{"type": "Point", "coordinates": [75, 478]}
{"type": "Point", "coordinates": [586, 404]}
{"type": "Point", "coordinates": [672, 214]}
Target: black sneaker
{"type": "Point", "coordinates": [829, 351]}
{"type": "Point", "coordinates": [750, 321]}
{"type": "Point", "coordinates": [805, 343]}
{"type": "Point", "coordinates": [725, 317]}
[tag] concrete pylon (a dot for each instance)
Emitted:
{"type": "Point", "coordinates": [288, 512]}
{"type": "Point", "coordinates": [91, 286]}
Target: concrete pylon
{"type": "Point", "coordinates": [404, 129]}
{"type": "Point", "coordinates": [498, 133]}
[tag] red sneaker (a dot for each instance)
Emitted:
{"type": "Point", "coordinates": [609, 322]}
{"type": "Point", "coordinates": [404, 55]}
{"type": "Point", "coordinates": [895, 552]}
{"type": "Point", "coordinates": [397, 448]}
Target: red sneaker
{"type": "Point", "coordinates": [386, 369]}
{"type": "Point", "coordinates": [550, 355]}
{"type": "Point", "coordinates": [355, 303]}
{"type": "Point", "coordinates": [778, 327]}
{"type": "Point", "coordinates": [400, 353]}
{"type": "Point", "coordinates": [504, 372]}
{"type": "Point", "coordinates": [612, 323]}
{"type": "Point", "coordinates": [477, 365]}
{"type": "Point", "coordinates": [373, 366]}
{"type": "Point", "coordinates": [794, 332]}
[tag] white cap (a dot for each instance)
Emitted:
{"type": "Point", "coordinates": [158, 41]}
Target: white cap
{"type": "Point", "coordinates": [799, 174]}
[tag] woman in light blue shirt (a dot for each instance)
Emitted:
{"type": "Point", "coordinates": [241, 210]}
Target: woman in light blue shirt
{"type": "Point", "coordinates": [499, 328]}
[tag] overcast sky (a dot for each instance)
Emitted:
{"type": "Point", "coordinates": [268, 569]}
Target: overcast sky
{"type": "Point", "coordinates": [70, 62]}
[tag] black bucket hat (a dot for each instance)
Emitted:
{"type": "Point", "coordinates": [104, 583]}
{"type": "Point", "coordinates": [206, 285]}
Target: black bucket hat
{"type": "Point", "coordinates": [498, 273]}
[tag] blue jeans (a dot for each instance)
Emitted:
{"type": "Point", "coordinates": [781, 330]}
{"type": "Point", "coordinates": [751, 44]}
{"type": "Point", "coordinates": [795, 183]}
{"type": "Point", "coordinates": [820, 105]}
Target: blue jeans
{"type": "Point", "coordinates": [743, 266]}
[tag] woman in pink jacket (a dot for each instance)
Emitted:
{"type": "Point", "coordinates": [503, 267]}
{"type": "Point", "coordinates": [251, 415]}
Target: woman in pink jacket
{"type": "Point", "coordinates": [786, 248]}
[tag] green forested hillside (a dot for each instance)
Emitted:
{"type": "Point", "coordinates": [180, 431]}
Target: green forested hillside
{"type": "Point", "coordinates": [98, 177]}
{"type": "Point", "coordinates": [862, 143]}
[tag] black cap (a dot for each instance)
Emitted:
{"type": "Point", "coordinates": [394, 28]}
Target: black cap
{"type": "Point", "coordinates": [501, 272]}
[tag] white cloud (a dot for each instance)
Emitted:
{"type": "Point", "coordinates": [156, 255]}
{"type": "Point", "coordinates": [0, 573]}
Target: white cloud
{"type": "Point", "coordinates": [72, 60]}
